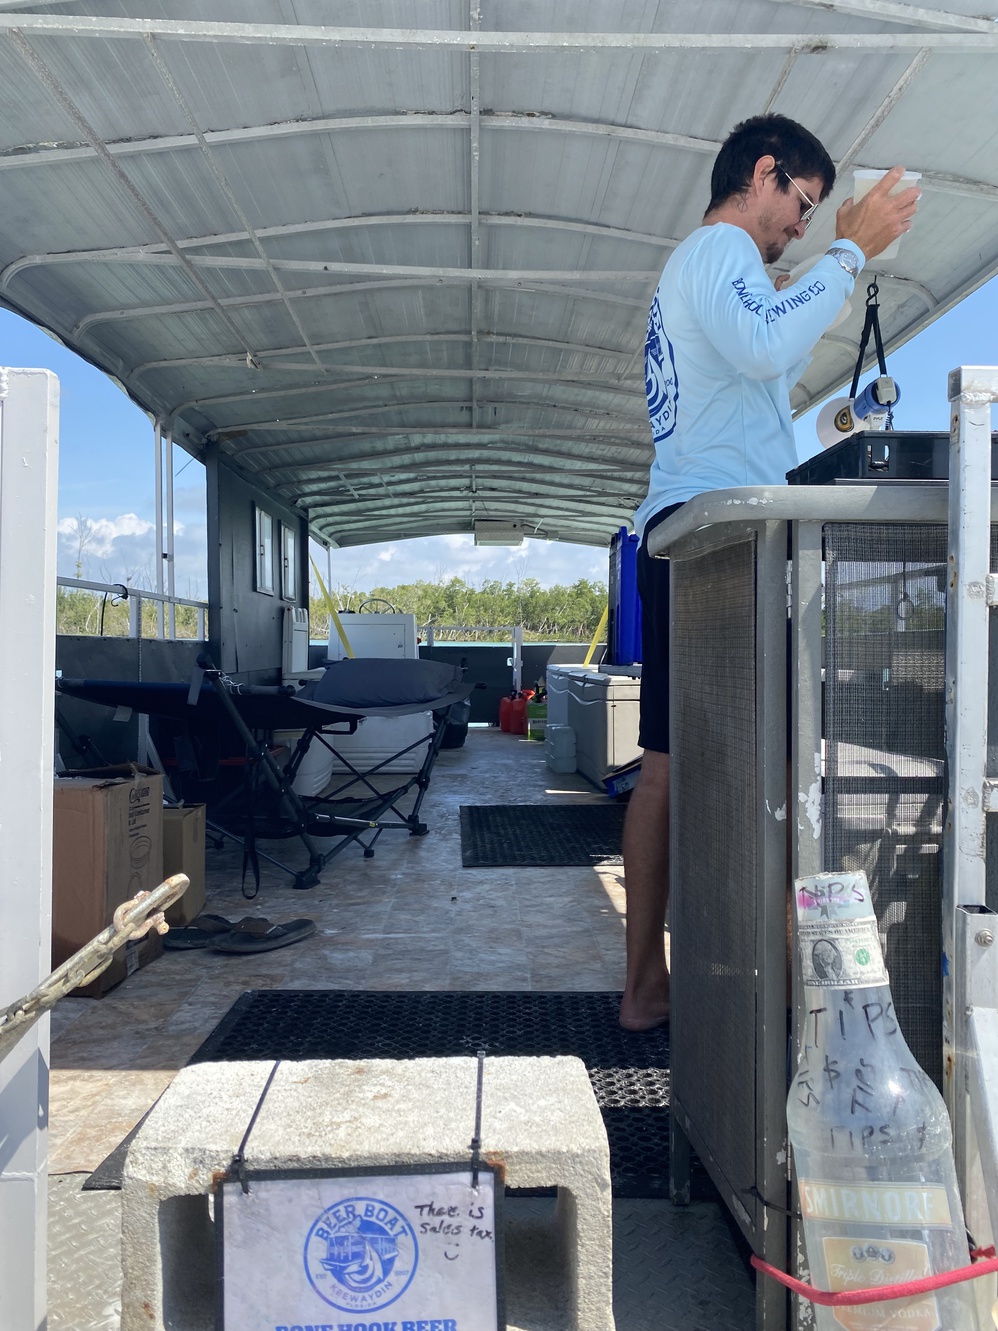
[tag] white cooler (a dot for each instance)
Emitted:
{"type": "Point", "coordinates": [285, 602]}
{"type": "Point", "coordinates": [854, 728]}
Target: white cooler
{"type": "Point", "coordinates": [603, 712]}
{"type": "Point", "coordinates": [556, 680]}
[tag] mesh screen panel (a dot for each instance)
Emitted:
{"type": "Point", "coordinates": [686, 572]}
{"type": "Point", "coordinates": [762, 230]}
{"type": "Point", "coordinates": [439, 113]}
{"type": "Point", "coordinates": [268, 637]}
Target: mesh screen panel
{"type": "Point", "coordinates": [714, 853]}
{"type": "Point", "coordinates": [885, 788]}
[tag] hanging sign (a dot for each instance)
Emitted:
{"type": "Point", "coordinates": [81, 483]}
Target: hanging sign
{"type": "Point", "coordinates": [385, 1250]}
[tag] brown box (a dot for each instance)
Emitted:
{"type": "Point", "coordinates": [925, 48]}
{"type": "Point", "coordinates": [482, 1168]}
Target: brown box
{"type": "Point", "coordinates": [183, 852]}
{"type": "Point", "coordinates": [107, 845]}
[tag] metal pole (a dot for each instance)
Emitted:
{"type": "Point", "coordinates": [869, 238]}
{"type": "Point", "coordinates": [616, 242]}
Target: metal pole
{"type": "Point", "coordinates": [158, 451]}
{"type": "Point", "coordinates": [517, 656]}
{"type": "Point", "coordinates": [970, 595]}
{"type": "Point", "coordinates": [171, 583]}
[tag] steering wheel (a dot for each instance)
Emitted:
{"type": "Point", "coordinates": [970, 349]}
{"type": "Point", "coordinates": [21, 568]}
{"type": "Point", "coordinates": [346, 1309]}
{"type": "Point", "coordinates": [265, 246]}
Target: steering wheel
{"type": "Point", "coordinates": [376, 600]}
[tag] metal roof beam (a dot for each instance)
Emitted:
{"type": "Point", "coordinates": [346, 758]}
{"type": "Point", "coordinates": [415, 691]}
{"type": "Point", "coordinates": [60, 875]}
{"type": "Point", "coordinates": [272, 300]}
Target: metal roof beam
{"type": "Point", "coordinates": [318, 420]}
{"type": "Point", "coordinates": [444, 404]}
{"type": "Point", "coordinates": [55, 154]}
{"type": "Point", "coordinates": [978, 37]}
{"type": "Point", "coordinates": [889, 11]}
{"type": "Point", "coordinates": [387, 374]}
{"type": "Point", "coordinates": [439, 274]}
{"type": "Point", "coordinates": [461, 466]}
{"type": "Point", "coordinates": [884, 109]}
{"type": "Point", "coordinates": [224, 303]}
{"type": "Point", "coordinates": [422, 504]}
{"type": "Point", "coordinates": [267, 358]}
{"type": "Point", "coordinates": [43, 155]}
{"type": "Point", "coordinates": [125, 185]}
{"type": "Point", "coordinates": [483, 433]}
{"type": "Point", "coordinates": [603, 483]}
{"type": "Point", "coordinates": [228, 195]}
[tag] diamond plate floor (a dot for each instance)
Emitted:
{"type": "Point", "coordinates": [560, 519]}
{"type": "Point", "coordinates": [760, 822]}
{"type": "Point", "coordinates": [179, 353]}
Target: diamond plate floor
{"type": "Point", "coordinates": [673, 1269]}
{"type": "Point", "coordinates": [84, 1255]}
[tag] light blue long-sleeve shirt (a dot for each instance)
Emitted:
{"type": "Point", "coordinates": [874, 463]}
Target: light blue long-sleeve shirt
{"type": "Point", "coordinates": [724, 348]}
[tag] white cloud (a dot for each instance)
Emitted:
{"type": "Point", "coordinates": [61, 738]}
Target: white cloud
{"type": "Point", "coordinates": [437, 558]}
{"type": "Point", "coordinates": [123, 549]}
{"type": "Point", "coordinates": [99, 534]}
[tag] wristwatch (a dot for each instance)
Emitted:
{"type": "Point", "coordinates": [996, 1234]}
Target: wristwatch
{"type": "Point", "coordinates": [845, 259]}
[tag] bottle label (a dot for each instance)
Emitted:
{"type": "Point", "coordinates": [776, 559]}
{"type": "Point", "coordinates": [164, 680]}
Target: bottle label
{"type": "Point", "coordinates": [918, 1205]}
{"type": "Point", "coordinates": [841, 954]}
{"type": "Point", "coordinates": [858, 1263]}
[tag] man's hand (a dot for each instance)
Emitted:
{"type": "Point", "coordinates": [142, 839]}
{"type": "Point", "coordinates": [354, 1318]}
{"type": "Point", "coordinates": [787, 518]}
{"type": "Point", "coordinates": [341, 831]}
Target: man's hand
{"type": "Point", "coordinates": [878, 219]}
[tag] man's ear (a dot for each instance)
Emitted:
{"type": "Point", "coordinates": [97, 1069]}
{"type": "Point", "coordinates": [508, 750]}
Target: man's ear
{"type": "Point", "coordinates": [764, 167]}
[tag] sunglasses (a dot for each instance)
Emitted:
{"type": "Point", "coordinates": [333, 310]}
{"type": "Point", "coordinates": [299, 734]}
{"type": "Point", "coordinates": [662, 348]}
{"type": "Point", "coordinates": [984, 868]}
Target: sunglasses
{"type": "Point", "coordinates": [807, 213]}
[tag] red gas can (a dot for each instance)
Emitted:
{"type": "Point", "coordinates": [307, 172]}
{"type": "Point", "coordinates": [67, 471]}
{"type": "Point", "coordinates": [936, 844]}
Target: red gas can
{"type": "Point", "coordinates": [506, 713]}
{"type": "Point", "coordinates": [519, 726]}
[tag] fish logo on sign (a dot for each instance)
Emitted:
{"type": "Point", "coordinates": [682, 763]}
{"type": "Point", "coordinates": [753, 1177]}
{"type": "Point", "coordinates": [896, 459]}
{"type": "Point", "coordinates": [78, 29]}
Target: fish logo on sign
{"type": "Point", "coordinates": [361, 1254]}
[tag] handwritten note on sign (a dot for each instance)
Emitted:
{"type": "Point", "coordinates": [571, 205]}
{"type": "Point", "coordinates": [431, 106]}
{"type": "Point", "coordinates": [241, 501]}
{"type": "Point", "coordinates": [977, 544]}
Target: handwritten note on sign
{"type": "Point", "coordinates": [360, 1252]}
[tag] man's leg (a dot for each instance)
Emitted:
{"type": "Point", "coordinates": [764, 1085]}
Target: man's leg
{"type": "Point", "coordinates": [646, 883]}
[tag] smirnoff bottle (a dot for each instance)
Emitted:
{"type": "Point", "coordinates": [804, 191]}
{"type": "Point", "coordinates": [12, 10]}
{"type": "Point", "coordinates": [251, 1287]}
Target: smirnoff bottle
{"type": "Point", "coordinates": [870, 1133]}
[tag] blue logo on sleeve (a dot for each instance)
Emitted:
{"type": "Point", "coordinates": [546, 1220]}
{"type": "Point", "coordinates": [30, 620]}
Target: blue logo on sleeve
{"type": "Point", "coordinates": [361, 1254]}
{"type": "Point", "coordinates": [661, 381]}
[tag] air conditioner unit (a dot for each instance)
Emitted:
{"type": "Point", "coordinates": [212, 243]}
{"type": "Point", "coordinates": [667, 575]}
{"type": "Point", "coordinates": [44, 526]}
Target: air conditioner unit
{"type": "Point", "coordinates": [499, 533]}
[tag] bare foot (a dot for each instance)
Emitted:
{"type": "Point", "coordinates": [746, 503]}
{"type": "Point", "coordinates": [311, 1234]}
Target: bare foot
{"type": "Point", "coordinates": [636, 1016]}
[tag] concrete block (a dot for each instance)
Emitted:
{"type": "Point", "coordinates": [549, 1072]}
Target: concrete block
{"type": "Point", "coordinates": [540, 1124]}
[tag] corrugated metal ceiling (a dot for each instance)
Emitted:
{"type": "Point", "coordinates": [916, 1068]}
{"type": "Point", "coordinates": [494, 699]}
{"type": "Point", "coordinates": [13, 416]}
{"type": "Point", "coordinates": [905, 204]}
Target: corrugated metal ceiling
{"type": "Point", "coordinates": [395, 259]}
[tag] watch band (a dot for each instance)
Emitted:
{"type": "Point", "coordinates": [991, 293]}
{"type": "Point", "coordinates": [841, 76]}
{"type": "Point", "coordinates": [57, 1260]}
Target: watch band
{"type": "Point", "coordinates": [845, 259]}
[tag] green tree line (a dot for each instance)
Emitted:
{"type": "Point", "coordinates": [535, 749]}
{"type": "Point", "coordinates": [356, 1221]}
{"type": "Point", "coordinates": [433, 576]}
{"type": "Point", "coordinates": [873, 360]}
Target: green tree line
{"type": "Point", "coordinates": [98, 615]}
{"type": "Point", "coordinates": [562, 614]}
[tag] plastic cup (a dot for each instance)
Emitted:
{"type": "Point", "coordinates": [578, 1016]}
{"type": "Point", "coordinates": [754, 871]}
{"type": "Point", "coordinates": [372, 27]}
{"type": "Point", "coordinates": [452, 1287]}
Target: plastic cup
{"type": "Point", "coordinates": [864, 180]}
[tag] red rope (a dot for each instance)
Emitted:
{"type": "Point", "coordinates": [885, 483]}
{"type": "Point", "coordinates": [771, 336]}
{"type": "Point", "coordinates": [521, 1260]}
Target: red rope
{"type": "Point", "coordinates": [907, 1290]}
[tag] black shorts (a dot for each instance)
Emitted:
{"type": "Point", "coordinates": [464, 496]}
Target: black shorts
{"type": "Point", "coordinates": [653, 588]}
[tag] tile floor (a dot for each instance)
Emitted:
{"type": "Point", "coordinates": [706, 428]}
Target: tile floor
{"type": "Point", "coordinates": [409, 918]}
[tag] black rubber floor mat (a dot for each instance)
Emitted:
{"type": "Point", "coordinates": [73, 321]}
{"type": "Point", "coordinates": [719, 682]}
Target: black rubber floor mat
{"type": "Point", "coordinates": [629, 1073]}
{"type": "Point", "coordinates": [558, 835]}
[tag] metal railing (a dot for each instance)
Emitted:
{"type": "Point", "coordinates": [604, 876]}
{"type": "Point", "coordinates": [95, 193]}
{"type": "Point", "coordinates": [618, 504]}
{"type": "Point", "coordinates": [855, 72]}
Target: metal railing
{"type": "Point", "coordinates": [515, 632]}
{"type": "Point", "coordinates": [166, 619]}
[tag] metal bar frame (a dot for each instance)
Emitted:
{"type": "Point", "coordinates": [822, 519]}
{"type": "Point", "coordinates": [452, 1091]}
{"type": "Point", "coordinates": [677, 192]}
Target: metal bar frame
{"type": "Point", "coordinates": [762, 1214]}
{"type": "Point", "coordinates": [970, 971]}
{"type": "Point", "coordinates": [723, 516]}
{"type": "Point", "coordinates": [977, 36]}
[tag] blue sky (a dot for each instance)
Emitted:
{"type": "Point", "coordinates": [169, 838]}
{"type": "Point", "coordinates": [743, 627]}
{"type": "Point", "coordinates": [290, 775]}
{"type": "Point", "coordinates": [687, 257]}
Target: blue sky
{"type": "Point", "coordinates": [106, 475]}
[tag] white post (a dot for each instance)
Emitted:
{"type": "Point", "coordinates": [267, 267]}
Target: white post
{"type": "Point", "coordinates": [29, 409]}
{"type": "Point", "coordinates": [171, 580]}
{"type": "Point", "coordinates": [968, 959]}
{"type": "Point", "coordinates": [158, 450]}
{"type": "Point", "coordinates": [517, 657]}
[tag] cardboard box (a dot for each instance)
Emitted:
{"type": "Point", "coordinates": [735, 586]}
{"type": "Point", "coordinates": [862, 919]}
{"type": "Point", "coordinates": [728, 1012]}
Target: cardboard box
{"type": "Point", "coordinates": [107, 846]}
{"type": "Point", "coordinates": [183, 852]}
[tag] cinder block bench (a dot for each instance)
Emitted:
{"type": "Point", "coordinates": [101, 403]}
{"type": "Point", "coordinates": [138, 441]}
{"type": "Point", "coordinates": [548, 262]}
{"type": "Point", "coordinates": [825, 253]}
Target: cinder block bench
{"type": "Point", "coordinates": [540, 1123]}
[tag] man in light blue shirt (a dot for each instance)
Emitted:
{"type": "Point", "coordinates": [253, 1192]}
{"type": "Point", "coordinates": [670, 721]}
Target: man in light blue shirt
{"type": "Point", "coordinates": [724, 348]}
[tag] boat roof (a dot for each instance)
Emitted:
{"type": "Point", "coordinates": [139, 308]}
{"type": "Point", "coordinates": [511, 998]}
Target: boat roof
{"type": "Point", "coordinates": [394, 261]}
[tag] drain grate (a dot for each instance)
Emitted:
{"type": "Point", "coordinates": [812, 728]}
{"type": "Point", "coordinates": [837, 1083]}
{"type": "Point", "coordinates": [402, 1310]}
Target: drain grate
{"type": "Point", "coordinates": [629, 1073]}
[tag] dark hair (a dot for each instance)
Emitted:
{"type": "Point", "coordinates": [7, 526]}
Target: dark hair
{"type": "Point", "coordinates": [794, 148]}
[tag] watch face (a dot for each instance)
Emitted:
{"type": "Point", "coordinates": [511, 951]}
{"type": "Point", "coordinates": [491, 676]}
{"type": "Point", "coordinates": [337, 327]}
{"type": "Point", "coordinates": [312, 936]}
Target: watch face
{"type": "Point", "coordinates": [845, 259]}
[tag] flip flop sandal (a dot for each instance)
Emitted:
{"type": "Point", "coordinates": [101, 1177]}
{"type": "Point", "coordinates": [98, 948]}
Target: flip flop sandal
{"type": "Point", "coordinates": [201, 932]}
{"type": "Point", "coordinates": [255, 935]}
